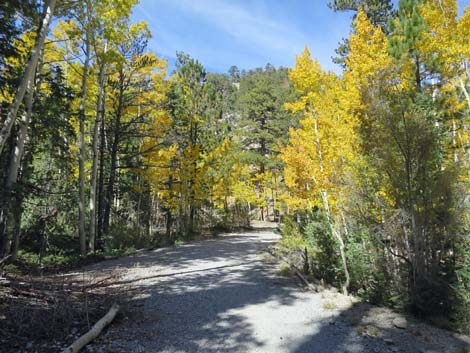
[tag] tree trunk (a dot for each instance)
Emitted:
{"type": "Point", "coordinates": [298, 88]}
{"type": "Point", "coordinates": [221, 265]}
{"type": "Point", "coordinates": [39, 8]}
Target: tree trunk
{"type": "Point", "coordinates": [94, 169]}
{"type": "Point", "coordinates": [192, 212]}
{"type": "Point", "coordinates": [101, 182]}
{"type": "Point", "coordinates": [16, 220]}
{"type": "Point", "coordinates": [113, 156]}
{"type": "Point", "coordinates": [26, 171]}
{"type": "Point", "coordinates": [466, 146]}
{"type": "Point", "coordinates": [14, 167]}
{"type": "Point", "coordinates": [324, 196]}
{"type": "Point", "coordinates": [28, 75]}
{"type": "Point", "coordinates": [169, 216]}
{"type": "Point", "coordinates": [5, 199]}
{"type": "Point", "coordinates": [81, 142]}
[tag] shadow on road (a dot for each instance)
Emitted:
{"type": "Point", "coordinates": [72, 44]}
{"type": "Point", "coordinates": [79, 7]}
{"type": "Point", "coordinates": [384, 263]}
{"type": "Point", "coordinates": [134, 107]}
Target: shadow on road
{"type": "Point", "coordinates": [218, 296]}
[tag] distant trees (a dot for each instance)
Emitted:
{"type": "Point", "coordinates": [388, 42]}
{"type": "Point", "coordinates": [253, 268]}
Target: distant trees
{"type": "Point", "coordinates": [262, 127]}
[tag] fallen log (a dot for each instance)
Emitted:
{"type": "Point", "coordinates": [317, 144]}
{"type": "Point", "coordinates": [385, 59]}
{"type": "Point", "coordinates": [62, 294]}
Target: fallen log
{"type": "Point", "coordinates": [94, 332]}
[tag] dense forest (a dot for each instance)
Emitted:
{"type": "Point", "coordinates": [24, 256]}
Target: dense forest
{"type": "Point", "coordinates": [103, 151]}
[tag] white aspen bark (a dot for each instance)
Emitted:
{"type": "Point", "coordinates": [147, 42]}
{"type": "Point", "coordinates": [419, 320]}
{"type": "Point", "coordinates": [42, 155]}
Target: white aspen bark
{"type": "Point", "coordinates": [20, 139]}
{"type": "Point", "coordinates": [31, 65]}
{"type": "Point", "coordinates": [338, 236]}
{"type": "Point", "coordinates": [324, 196]}
{"type": "Point", "coordinates": [467, 145]}
{"type": "Point", "coordinates": [94, 170]}
{"type": "Point", "coordinates": [464, 91]}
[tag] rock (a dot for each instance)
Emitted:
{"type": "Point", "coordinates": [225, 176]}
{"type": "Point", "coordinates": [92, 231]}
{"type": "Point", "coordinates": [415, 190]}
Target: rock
{"type": "Point", "coordinates": [400, 322]}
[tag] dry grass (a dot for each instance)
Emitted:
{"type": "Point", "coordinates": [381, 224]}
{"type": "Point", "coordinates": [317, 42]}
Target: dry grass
{"type": "Point", "coordinates": [329, 305]}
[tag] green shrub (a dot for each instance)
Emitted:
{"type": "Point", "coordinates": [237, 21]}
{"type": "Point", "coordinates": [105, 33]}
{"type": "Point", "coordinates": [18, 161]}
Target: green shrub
{"type": "Point", "coordinates": [292, 237]}
{"type": "Point", "coordinates": [124, 236]}
{"type": "Point", "coordinates": [461, 289]}
{"type": "Point", "coordinates": [322, 247]}
{"type": "Point", "coordinates": [368, 276]}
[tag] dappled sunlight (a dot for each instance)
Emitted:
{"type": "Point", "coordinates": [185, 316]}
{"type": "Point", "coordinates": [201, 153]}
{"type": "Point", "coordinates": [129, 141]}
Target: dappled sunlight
{"type": "Point", "coordinates": [241, 303]}
{"type": "Point", "coordinates": [203, 211]}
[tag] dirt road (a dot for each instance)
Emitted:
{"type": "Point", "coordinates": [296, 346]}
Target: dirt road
{"type": "Point", "coordinates": [221, 295]}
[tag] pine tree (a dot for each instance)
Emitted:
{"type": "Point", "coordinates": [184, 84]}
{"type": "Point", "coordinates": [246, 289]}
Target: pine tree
{"type": "Point", "coordinates": [263, 124]}
{"type": "Point", "coordinates": [379, 12]}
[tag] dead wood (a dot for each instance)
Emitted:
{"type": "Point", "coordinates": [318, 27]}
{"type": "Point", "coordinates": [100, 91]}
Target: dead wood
{"type": "Point", "coordinates": [94, 332]}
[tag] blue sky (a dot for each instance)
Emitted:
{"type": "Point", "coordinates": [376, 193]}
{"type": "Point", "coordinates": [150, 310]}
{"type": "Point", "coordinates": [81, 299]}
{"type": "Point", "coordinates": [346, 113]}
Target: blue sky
{"type": "Point", "coordinates": [246, 33]}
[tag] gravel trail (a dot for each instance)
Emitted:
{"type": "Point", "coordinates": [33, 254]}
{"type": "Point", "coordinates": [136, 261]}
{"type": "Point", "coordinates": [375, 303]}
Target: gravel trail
{"type": "Point", "coordinates": [221, 295]}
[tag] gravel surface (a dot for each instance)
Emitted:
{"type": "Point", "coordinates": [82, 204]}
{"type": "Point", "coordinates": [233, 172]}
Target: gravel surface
{"type": "Point", "coordinates": [223, 295]}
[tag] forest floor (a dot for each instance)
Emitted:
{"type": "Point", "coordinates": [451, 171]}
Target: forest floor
{"type": "Point", "coordinates": [226, 294]}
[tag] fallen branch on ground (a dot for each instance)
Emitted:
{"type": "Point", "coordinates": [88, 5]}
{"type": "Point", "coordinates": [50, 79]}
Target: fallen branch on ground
{"type": "Point", "coordinates": [4, 259]}
{"type": "Point", "coordinates": [94, 332]}
{"type": "Point", "coordinates": [309, 285]}
{"type": "Point", "coordinates": [303, 279]}
{"type": "Point", "coordinates": [100, 283]}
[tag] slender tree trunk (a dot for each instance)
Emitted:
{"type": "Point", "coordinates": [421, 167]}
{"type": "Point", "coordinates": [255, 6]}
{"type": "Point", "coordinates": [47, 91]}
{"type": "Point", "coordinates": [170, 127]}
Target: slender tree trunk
{"type": "Point", "coordinates": [169, 224]}
{"type": "Point", "coordinates": [28, 75]}
{"type": "Point", "coordinates": [5, 200]}
{"type": "Point", "coordinates": [418, 72]}
{"type": "Point", "coordinates": [169, 216]}
{"type": "Point", "coordinates": [14, 167]}
{"type": "Point", "coordinates": [19, 196]}
{"type": "Point", "coordinates": [261, 188]}
{"type": "Point", "coordinates": [138, 218]}
{"type": "Point", "coordinates": [113, 156]}
{"type": "Point", "coordinates": [81, 143]}
{"type": "Point", "coordinates": [17, 213]}
{"type": "Point", "coordinates": [192, 182]}
{"type": "Point", "coordinates": [94, 169]}
{"type": "Point", "coordinates": [148, 211]}
{"type": "Point", "coordinates": [192, 212]}
{"type": "Point", "coordinates": [466, 146]}
{"type": "Point", "coordinates": [25, 173]}
{"type": "Point", "coordinates": [101, 181]}
{"type": "Point", "coordinates": [326, 204]}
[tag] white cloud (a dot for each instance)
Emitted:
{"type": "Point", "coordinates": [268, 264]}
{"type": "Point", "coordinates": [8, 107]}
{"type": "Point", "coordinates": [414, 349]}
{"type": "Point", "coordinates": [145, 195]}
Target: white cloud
{"type": "Point", "coordinates": [246, 33]}
{"type": "Point", "coordinates": [253, 28]}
